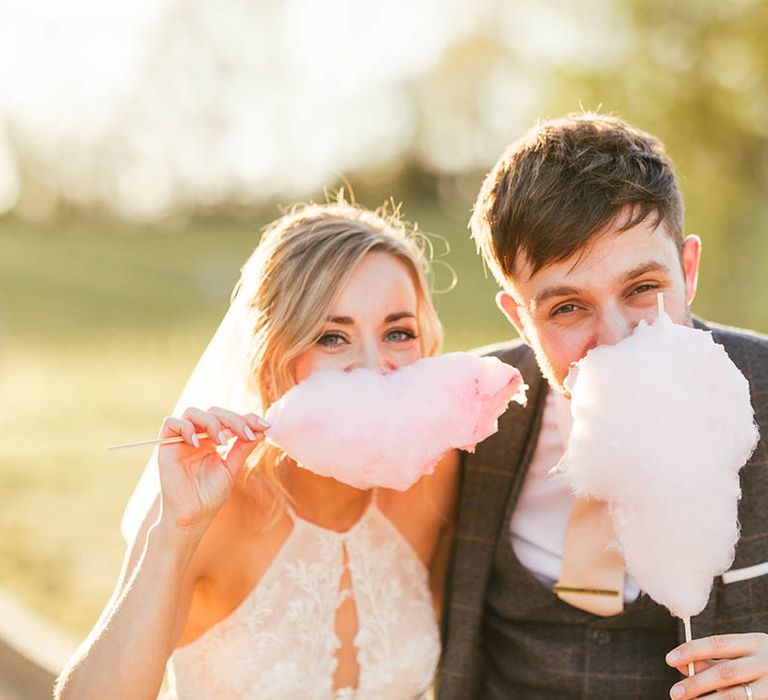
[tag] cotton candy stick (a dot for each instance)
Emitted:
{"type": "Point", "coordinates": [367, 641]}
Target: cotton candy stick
{"type": "Point", "coordinates": [662, 425]}
{"type": "Point", "coordinates": [154, 441]}
{"type": "Point", "coordinates": [688, 638]}
{"type": "Point", "coordinates": [686, 618]}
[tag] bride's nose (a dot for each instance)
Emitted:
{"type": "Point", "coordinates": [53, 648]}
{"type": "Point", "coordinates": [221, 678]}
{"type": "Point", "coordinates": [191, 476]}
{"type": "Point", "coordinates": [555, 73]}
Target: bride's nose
{"type": "Point", "coordinates": [372, 356]}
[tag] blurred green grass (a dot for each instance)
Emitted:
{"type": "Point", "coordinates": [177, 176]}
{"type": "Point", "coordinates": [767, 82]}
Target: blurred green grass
{"type": "Point", "coordinates": [101, 323]}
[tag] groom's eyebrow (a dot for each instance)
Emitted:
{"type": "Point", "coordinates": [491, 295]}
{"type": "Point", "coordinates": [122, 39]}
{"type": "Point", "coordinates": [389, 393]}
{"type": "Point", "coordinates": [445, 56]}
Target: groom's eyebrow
{"type": "Point", "coordinates": [644, 269]}
{"type": "Point", "coordinates": [567, 290]}
{"type": "Point", "coordinates": [551, 292]}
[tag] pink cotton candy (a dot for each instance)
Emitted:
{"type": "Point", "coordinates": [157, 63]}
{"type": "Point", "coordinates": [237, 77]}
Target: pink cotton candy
{"type": "Point", "coordinates": [366, 429]}
{"type": "Point", "coordinates": [662, 425]}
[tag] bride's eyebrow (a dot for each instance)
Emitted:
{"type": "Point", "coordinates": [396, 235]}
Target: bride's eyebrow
{"type": "Point", "coordinates": [391, 318]}
{"type": "Point", "coordinates": [399, 315]}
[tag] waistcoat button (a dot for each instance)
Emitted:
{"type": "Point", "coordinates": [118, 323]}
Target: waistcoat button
{"type": "Point", "coordinates": [601, 637]}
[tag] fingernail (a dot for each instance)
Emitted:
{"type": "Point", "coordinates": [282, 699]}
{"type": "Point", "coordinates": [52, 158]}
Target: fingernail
{"type": "Point", "coordinates": [221, 437]}
{"type": "Point", "coordinates": [673, 656]}
{"type": "Point", "coordinates": [262, 422]}
{"type": "Point", "coordinates": [677, 691]}
{"type": "Point", "coordinates": [195, 441]}
{"type": "Point", "coordinates": [249, 433]}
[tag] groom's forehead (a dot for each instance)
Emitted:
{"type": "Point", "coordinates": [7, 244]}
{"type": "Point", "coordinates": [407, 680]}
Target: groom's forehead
{"type": "Point", "coordinates": [611, 255]}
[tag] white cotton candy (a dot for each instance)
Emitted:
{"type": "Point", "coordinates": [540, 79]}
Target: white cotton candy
{"type": "Point", "coordinates": [662, 425]}
{"type": "Point", "coordinates": [367, 429]}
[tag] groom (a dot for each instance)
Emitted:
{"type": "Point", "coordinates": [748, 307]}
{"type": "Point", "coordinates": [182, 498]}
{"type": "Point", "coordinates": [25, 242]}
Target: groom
{"type": "Point", "coordinates": [581, 222]}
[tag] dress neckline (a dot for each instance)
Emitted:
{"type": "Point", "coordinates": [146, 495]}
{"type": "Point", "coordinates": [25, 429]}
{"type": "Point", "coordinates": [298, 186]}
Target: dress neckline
{"type": "Point", "coordinates": [273, 569]}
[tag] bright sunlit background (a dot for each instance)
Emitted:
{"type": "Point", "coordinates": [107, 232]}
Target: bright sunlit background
{"type": "Point", "coordinates": [143, 145]}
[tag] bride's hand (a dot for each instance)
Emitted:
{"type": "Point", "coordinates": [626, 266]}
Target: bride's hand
{"type": "Point", "coordinates": [195, 480]}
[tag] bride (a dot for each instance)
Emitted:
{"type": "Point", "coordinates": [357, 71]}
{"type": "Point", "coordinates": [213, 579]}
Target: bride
{"type": "Point", "coordinates": [245, 575]}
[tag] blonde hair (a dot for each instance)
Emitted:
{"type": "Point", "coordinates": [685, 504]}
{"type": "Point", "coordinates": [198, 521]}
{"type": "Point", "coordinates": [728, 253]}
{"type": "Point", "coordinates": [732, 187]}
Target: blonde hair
{"type": "Point", "coordinates": [303, 262]}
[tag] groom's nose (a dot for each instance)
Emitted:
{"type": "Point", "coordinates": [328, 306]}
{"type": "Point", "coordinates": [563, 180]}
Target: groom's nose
{"type": "Point", "coordinates": [614, 324]}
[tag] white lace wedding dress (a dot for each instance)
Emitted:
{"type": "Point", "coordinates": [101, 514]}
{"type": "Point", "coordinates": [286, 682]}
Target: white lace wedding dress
{"type": "Point", "coordinates": [280, 642]}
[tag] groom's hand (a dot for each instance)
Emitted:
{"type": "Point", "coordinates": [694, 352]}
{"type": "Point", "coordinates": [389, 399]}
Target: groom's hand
{"type": "Point", "coordinates": [724, 663]}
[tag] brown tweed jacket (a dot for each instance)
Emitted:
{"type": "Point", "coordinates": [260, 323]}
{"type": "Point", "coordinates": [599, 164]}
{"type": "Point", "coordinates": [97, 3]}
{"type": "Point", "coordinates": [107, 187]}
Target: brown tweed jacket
{"type": "Point", "coordinates": [494, 475]}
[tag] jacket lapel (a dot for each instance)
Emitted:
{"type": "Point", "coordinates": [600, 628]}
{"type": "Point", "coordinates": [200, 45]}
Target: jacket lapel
{"type": "Point", "coordinates": [492, 477]}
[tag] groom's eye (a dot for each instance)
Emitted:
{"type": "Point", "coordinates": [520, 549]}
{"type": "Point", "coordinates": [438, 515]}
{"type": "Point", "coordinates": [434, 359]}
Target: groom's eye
{"type": "Point", "coordinates": [647, 287]}
{"type": "Point", "coordinates": [564, 309]}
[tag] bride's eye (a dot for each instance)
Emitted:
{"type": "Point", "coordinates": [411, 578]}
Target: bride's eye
{"type": "Point", "coordinates": [331, 339]}
{"type": "Point", "coordinates": [401, 335]}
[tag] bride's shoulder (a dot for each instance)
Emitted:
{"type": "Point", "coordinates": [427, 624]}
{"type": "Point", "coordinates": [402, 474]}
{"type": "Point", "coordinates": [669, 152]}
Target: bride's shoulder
{"type": "Point", "coordinates": [430, 503]}
{"type": "Point", "coordinates": [434, 493]}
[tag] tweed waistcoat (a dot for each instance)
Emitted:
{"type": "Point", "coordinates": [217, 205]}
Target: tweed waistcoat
{"type": "Point", "coordinates": [500, 620]}
{"type": "Point", "coordinates": [537, 647]}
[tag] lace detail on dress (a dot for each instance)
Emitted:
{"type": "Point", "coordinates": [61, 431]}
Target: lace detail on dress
{"type": "Point", "coordinates": [280, 643]}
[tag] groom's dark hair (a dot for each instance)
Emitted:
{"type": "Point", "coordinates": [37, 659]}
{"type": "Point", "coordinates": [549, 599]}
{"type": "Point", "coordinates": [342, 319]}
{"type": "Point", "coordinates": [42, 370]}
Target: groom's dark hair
{"type": "Point", "coordinates": [566, 181]}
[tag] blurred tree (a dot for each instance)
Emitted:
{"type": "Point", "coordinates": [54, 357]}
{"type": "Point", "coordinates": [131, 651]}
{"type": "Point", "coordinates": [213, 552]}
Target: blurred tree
{"type": "Point", "coordinates": [251, 101]}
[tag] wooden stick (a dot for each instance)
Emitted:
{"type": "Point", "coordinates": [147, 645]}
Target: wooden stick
{"type": "Point", "coordinates": [688, 638]}
{"type": "Point", "coordinates": [157, 441]}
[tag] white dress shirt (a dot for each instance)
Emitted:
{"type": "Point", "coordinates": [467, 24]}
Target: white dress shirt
{"type": "Point", "coordinates": [538, 524]}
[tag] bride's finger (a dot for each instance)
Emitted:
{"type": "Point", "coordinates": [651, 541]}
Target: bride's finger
{"type": "Point", "coordinates": [239, 452]}
{"type": "Point", "coordinates": [236, 423]}
{"type": "Point", "coordinates": [174, 427]}
{"type": "Point", "coordinates": [257, 423]}
{"type": "Point", "coordinates": [208, 423]}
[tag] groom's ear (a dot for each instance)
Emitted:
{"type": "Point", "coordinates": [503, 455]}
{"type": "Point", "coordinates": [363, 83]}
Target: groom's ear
{"type": "Point", "coordinates": [509, 307]}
